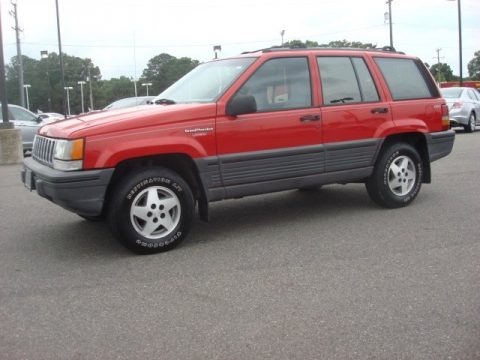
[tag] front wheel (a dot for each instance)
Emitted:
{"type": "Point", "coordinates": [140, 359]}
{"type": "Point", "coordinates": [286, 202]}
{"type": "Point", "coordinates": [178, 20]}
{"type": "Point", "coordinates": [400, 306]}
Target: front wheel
{"type": "Point", "coordinates": [151, 211]}
{"type": "Point", "coordinates": [472, 120]}
{"type": "Point", "coordinates": [397, 176]}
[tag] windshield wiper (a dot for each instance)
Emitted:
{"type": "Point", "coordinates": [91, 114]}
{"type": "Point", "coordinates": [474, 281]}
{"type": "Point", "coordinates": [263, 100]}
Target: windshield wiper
{"type": "Point", "coordinates": [164, 102]}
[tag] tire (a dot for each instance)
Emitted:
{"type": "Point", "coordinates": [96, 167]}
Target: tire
{"type": "Point", "coordinates": [309, 189]}
{"type": "Point", "coordinates": [470, 127]}
{"type": "Point", "coordinates": [397, 176]}
{"type": "Point", "coordinates": [151, 211]}
{"type": "Point", "coordinates": [92, 218]}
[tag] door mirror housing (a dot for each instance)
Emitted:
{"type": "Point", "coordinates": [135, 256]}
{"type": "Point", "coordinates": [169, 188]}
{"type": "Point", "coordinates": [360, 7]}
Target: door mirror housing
{"type": "Point", "coordinates": [242, 104]}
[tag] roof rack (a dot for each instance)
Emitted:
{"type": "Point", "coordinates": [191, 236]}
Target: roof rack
{"type": "Point", "coordinates": [298, 48]}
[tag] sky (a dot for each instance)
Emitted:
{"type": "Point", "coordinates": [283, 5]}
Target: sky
{"type": "Point", "coordinates": [121, 36]}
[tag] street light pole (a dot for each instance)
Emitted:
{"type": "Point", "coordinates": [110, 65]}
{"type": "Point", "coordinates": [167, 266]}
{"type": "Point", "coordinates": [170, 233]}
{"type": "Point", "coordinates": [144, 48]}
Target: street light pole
{"type": "Point", "coordinates": [60, 54]}
{"type": "Point", "coordinates": [26, 86]}
{"type": "Point", "coordinates": [147, 85]}
{"type": "Point", "coordinates": [460, 41]}
{"type": "Point", "coordinates": [81, 83]}
{"type": "Point", "coordinates": [5, 124]}
{"type": "Point", "coordinates": [68, 88]}
{"type": "Point", "coordinates": [44, 56]}
{"type": "Point", "coordinates": [460, 57]}
{"type": "Point", "coordinates": [135, 85]}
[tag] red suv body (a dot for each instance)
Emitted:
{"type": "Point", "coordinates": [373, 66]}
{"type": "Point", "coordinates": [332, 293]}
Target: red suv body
{"type": "Point", "coordinates": [261, 122]}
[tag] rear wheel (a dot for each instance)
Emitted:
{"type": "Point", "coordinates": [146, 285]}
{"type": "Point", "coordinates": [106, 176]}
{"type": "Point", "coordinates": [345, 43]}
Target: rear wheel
{"type": "Point", "coordinates": [92, 218]}
{"type": "Point", "coordinates": [472, 120]}
{"type": "Point", "coordinates": [151, 211]}
{"type": "Point", "coordinates": [397, 177]}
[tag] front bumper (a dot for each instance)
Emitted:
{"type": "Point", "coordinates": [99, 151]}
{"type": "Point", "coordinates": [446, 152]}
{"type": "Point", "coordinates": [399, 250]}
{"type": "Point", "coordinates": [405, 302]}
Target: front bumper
{"type": "Point", "coordinates": [440, 144]}
{"type": "Point", "coordinates": [82, 192]}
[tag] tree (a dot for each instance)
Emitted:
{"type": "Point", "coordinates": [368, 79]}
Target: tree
{"type": "Point", "coordinates": [45, 79]}
{"type": "Point", "coordinates": [334, 44]}
{"type": "Point", "coordinates": [300, 44]}
{"type": "Point", "coordinates": [474, 66]}
{"type": "Point", "coordinates": [442, 72]}
{"type": "Point", "coordinates": [349, 44]}
{"type": "Point", "coordinates": [117, 88]}
{"type": "Point", "coordinates": [164, 69]}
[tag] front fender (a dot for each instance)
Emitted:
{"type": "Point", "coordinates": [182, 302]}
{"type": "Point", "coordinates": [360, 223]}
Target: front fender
{"type": "Point", "coordinates": [107, 152]}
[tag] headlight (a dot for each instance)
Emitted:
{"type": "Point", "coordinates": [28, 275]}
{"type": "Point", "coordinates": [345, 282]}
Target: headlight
{"type": "Point", "coordinates": [68, 155]}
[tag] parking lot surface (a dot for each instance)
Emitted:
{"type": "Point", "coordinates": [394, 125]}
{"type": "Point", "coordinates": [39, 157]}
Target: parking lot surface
{"type": "Point", "coordinates": [291, 275]}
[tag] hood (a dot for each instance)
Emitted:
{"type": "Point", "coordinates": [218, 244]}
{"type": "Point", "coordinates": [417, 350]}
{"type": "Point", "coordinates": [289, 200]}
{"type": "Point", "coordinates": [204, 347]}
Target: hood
{"type": "Point", "coordinates": [138, 117]}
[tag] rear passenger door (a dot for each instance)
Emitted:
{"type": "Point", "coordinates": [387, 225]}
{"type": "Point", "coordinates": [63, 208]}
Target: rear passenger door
{"type": "Point", "coordinates": [353, 112]}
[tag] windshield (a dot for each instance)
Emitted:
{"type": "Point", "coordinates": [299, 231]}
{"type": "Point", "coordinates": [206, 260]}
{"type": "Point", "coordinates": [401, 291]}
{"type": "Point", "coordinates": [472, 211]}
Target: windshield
{"type": "Point", "coordinates": [451, 93]}
{"type": "Point", "coordinates": [205, 83]}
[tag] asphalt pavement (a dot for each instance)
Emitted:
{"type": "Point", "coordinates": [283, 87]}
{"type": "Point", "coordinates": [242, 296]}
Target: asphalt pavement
{"type": "Point", "coordinates": [291, 275]}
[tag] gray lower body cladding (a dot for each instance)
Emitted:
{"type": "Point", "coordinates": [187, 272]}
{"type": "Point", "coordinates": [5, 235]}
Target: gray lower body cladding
{"type": "Point", "coordinates": [252, 173]}
{"type": "Point", "coordinates": [82, 192]}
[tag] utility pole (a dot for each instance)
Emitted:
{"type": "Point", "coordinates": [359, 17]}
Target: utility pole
{"type": "Point", "coordinates": [389, 2]}
{"type": "Point", "coordinates": [439, 72]}
{"type": "Point", "coordinates": [14, 13]}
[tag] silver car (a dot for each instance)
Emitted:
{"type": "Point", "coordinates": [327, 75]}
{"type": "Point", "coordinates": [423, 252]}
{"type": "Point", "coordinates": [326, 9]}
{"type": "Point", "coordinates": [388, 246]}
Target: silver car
{"type": "Point", "coordinates": [26, 121]}
{"type": "Point", "coordinates": [464, 106]}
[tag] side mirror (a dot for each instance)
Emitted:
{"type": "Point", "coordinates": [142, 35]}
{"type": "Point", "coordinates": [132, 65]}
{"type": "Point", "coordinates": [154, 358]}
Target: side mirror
{"type": "Point", "coordinates": [242, 104]}
{"type": "Point", "coordinates": [39, 119]}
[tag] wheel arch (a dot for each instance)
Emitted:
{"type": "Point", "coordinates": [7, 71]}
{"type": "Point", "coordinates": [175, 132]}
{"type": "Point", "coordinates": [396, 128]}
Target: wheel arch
{"type": "Point", "coordinates": [416, 140]}
{"type": "Point", "coordinates": [182, 164]}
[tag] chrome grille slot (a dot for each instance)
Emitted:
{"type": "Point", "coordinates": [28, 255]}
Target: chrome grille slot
{"type": "Point", "coordinates": [43, 149]}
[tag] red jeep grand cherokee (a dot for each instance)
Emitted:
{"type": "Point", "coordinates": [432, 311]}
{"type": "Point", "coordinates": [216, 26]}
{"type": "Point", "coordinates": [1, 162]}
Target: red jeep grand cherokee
{"type": "Point", "coordinates": [264, 121]}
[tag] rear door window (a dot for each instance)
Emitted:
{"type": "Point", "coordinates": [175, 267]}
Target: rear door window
{"type": "Point", "coordinates": [346, 80]}
{"type": "Point", "coordinates": [405, 79]}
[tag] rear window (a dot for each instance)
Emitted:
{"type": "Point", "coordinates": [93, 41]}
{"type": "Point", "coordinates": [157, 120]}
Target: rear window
{"type": "Point", "coordinates": [404, 78]}
{"type": "Point", "coordinates": [451, 93]}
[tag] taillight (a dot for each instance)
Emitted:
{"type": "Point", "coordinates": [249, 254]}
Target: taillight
{"type": "Point", "coordinates": [457, 105]}
{"type": "Point", "coordinates": [445, 117]}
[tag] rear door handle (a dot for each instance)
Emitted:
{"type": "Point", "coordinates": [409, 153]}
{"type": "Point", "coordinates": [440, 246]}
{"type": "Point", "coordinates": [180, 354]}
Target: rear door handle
{"type": "Point", "coordinates": [380, 110]}
{"type": "Point", "coordinates": [310, 118]}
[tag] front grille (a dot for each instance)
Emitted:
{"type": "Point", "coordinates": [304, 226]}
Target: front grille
{"type": "Point", "coordinates": [43, 150]}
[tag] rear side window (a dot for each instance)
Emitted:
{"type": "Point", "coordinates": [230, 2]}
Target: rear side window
{"type": "Point", "coordinates": [404, 78]}
{"type": "Point", "coordinates": [346, 80]}
{"type": "Point", "coordinates": [472, 95]}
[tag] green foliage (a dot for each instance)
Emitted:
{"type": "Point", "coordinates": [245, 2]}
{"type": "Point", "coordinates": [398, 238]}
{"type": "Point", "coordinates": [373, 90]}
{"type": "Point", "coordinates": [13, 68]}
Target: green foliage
{"type": "Point", "coordinates": [334, 44]}
{"type": "Point", "coordinates": [442, 72]}
{"type": "Point", "coordinates": [474, 66]}
{"type": "Point", "coordinates": [164, 69]}
{"type": "Point", "coordinates": [300, 44]}
{"type": "Point", "coordinates": [349, 44]}
{"type": "Point", "coordinates": [45, 79]}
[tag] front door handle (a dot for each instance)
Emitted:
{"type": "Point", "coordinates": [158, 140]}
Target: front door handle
{"type": "Point", "coordinates": [306, 118]}
{"type": "Point", "coordinates": [380, 110]}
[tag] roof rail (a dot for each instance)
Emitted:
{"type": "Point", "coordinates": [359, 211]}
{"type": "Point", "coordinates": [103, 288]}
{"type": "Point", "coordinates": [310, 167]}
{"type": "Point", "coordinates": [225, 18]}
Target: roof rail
{"type": "Point", "coordinates": [299, 48]}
